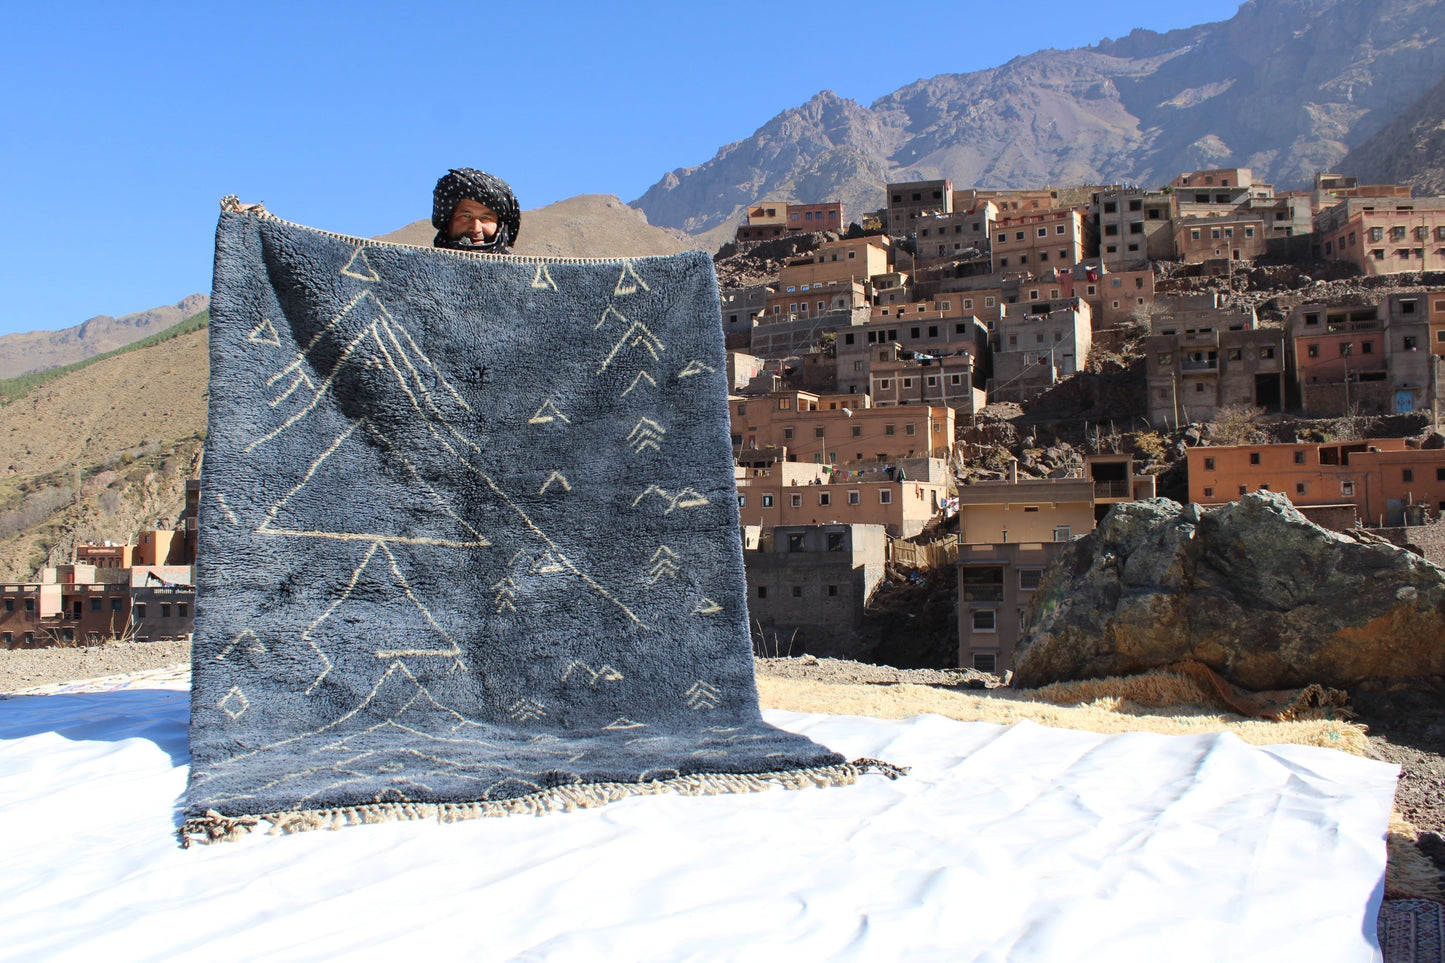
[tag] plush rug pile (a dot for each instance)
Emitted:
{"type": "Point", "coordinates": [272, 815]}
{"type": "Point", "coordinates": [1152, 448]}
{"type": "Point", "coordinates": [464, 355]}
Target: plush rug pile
{"type": "Point", "coordinates": [468, 539]}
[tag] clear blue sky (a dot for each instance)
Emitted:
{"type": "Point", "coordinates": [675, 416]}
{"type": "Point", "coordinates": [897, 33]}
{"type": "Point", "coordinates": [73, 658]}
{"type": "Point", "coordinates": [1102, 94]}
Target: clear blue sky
{"type": "Point", "coordinates": [122, 124]}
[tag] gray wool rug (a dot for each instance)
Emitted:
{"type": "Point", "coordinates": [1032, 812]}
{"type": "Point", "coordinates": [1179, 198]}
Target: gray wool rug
{"type": "Point", "coordinates": [468, 539]}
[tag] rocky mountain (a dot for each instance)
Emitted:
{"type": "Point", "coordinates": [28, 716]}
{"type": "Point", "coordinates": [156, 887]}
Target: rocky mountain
{"type": "Point", "coordinates": [1285, 87]}
{"type": "Point", "coordinates": [1409, 150]}
{"type": "Point", "coordinates": [589, 225]}
{"type": "Point", "coordinates": [38, 350]}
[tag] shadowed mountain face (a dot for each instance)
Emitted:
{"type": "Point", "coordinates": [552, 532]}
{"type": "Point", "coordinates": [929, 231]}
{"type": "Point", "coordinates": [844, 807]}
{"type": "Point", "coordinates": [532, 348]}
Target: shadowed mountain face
{"type": "Point", "coordinates": [1285, 87]}
{"type": "Point", "coordinates": [1410, 150]}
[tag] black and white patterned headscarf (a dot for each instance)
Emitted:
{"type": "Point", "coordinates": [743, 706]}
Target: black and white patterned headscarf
{"type": "Point", "coordinates": [467, 184]}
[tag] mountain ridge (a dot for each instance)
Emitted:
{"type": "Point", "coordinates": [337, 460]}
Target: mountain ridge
{"type": "Point", "coordinates": [1284, 87]}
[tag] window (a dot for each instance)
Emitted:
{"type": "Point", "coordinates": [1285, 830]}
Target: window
{"type": "Point", "coordinates": [885, 383]}
{"type": "Point", "coordinates": [788, 432]}
{"type": "Point", "coordinates": [115, 605]}
{"type": "Point", "coordinates": [984, 620]}
{"type": "Point", "coordinates": [1440, 474]}
{"type": "Point", "coordinates": [985, 662]}
{"type": "Point", "coordinates": [784, 404]}
{"type": "Point", "coordinates": [1254, 458]}
{"type": "Point", "coordinates": [742, 501]}
{"type": "Point", "coordinates": [1243, 489]}
{"type": "Point", "coordinates": [797, 591]}
{"type": "Point", "coordinates": [910, 429]}
{"type": "Point", "coordinates": [1029, 578]}
{"type": "Point", "coordinates": [854, 498]}
{"type": "Point", "coordinates": [1299, 458]}
{"type": "Point", "coordinates": [95, 605]}
{"type": "Point", "coordinates": [1313, 351]}
{"type": "Point", "coordinates": [888, 429]}
{"type": "Point", "coordinates": [885, 497]}
{"type": "Point", "coordinates": [795, 541]}
{"type": "Point", "coordinates": [1347, 489]}
{"type": "Point", "coordinates": [762, 591]}
{"type": "Point", "coordinates": [140, 610]}
{"type": "Point", "coordinates": [1208, 492]}
{"type": "Point", "coordinates": [1299, 488]}
{"type": "Point", "coordinates": [832, 590]}
{"type": "Point", "coordinates": [1061, 533]}
{"type": "Point", "coordinates": [795, 501]}
{"type": "Point", "coordinates": [1407, 474]}
{"type": "Point", "coordinates": [10, 605]}
{"type": "Point", "coordinates": [825, 498]}
{"type": "Point", "coordinates": [767, 501]}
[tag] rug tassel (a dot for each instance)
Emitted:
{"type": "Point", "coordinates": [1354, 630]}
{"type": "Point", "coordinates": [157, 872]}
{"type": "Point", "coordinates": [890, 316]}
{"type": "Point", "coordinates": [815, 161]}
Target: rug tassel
{"type": "Point", "coordinates": [215, 828]}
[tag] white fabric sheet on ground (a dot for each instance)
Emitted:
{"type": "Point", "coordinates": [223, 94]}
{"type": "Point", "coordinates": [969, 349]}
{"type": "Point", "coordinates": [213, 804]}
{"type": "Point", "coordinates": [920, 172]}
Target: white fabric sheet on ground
{"type": "Point", "coordinates": [1018, 843]}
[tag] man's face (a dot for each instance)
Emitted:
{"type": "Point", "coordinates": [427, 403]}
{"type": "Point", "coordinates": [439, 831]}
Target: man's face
{"type": "Point", "coordinates": [473, 220]}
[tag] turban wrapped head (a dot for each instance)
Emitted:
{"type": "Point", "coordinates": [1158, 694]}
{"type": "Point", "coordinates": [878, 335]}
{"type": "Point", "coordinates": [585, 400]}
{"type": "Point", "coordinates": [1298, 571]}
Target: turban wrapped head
{"type": "Point", "coordinates": [468, 184]}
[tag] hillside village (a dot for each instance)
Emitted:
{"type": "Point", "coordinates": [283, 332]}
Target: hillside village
{"type": "Point", "coordinates": [930, 400]}
{"type": "Point", "coordinates": [883, 375]}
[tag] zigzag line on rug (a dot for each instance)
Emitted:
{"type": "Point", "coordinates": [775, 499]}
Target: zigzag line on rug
{"type": "Point", "coordinates": [215, 768]}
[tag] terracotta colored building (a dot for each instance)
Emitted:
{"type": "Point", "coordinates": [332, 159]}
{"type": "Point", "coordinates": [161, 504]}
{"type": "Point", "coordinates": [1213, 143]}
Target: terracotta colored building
{"type": "Point", "coordinates": [1383, 235]}
{"type": "Point", "coordinates": [1378, 479]}
{"type": "Point", "coordinates": [838, 429]}
{"type": "Point", "coordinates": [1036, 243]}
{"type": "Point", "coordinates": [769, 219]}
{"type": "Point", "coordinates": [800, 494]}
{"type": "Point", "coordinates": [1009, 532]}
{"type": "Point", "coordinates": [1232, 237]}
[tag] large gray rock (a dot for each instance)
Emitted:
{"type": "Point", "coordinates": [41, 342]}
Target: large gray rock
{"type": "Point", "coordinates": [1252, 589]}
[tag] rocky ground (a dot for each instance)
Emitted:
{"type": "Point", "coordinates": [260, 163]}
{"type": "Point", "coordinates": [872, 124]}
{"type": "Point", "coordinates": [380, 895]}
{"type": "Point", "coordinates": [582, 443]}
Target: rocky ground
{"type": "Point", "coordinates": [1406, 723]}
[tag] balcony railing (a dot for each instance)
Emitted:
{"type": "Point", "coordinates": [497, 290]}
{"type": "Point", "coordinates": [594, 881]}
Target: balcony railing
{"type": "Point", "coordinates": [1111, 489]}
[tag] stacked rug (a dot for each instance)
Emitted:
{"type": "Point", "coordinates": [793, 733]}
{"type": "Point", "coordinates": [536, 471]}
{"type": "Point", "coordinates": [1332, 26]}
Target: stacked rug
{"type": "Point", "coordinates": [468, 539]}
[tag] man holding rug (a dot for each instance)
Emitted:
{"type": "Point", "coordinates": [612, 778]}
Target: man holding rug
{"type": "Point", "coordinates": [474, 211]}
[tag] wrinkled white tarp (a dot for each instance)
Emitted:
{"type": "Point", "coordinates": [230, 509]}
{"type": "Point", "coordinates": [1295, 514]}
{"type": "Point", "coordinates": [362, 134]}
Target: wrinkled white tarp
{"type": "Point", "coordinates": [1018, 843]}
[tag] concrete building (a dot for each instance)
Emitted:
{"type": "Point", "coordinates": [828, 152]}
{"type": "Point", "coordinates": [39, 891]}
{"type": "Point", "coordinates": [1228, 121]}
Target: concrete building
{"type": "Point", "coordinates": [1375, 480]}
{"type": "Point", "coordinates": [910, 200]}
{"type": "Point", "coordinates": [740, 308]}
{"type": "Point", "coordinates": [939, 327]}
{"type": "Point", "coordinates": [1206, 354]}
{"type": "Point", "coordinates": [943, 378]}
{"type": "Point", "coordinates": [1339, 359]}
{"type": "Point", "coordinates": [1133, 226]}
{"type": "Point", "coordinates": [941, 237]}
{"type": "Point", "coordinates": [163, 601]}
{"type": "Point", "coordinates": [808, 587]}
{"type": "Point", "coordinates": [1034, 351]}
{"type": "Point", "coordinates": [1410, 365]}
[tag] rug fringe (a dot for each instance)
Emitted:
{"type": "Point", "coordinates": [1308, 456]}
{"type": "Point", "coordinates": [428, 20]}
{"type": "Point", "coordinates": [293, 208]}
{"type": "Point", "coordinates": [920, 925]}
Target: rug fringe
{"type": "Point", "coordinates": [213, 827]}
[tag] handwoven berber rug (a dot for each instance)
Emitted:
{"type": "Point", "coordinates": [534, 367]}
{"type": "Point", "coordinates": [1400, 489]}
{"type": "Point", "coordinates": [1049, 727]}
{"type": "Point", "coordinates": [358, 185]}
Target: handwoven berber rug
{"type": "Point", "coordinates": [468, 539]}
